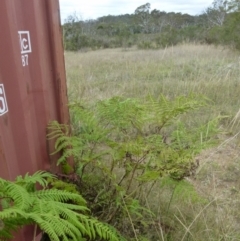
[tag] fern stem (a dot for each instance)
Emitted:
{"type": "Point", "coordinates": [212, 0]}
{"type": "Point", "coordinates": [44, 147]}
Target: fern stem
{"type": "Point", "coordinates": [123, 177]}
{"type": "Point", "coordinates": [134, 170]}
{"type": "Point", "coordinates": [129, 216]}
{"type": "Point", "coordinates": [150, 189]}
{"type": "Point", "coordinates": [112, 215]}
{"type": "Point", "coordinates": [170, 201]}
{"type": "Point", "coordinates": [110, 179]}
{"type": "Point", "coordinates": [35, 232]}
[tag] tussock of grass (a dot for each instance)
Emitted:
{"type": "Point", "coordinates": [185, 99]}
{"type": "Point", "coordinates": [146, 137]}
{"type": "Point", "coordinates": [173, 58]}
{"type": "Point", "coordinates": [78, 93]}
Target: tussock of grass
{"type": "Point", "coordinates": [180, 70]}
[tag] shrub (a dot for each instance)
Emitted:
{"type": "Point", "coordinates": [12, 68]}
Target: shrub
{"type": "Point", "coordinates": [123, 147]}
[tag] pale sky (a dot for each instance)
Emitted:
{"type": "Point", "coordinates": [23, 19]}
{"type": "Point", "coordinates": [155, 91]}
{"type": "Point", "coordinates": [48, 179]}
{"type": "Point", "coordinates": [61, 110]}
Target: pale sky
{"type": "Point", "coordinates": [92, 9]}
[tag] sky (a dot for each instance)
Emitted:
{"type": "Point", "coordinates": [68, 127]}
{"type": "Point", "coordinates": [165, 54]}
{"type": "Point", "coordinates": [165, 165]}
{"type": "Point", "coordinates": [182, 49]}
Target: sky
{"type": "Point", "coordinates": [92, 9]}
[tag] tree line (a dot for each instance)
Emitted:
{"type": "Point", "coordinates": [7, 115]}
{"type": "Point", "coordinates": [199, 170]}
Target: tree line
{"type": "Point", "coordinates": [152, 29]}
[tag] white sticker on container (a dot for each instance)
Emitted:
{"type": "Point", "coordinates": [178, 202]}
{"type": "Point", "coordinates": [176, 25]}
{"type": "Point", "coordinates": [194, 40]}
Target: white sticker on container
{"type": "Point", "coordinates": [3, 101]}
{"type": "Point", "coordinates": [25, 46]}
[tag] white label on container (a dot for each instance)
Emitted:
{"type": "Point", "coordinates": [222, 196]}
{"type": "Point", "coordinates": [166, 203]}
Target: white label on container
{"type": "Point", "coordinates": [25, 46]}
{"type": "Point", "coordinates": [25, 42]}
{"type": "Point", "coordinates": [3, 101]}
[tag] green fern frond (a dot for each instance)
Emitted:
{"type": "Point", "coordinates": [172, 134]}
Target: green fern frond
{"type": "Point", "coordinates": [38, 177]}
{"type": "Point", "coordinates": [58, 228]}
{"type": "Point", "coordinates": [57, 129]}
{"type": "Point", "coordinates": [13, 212]}
{"type": "Point", "coordinates": [105, 231]}
{"type": "Point", "coordinates": [65, 142]}
{"type": "Point", "coordinates": [143, 140]}
{"type": "Point", "coordinates": [9, 226]}
{"type": "Point", "coordinates": [59, 196]}
{"type": "Point", "coordinates": [58, 213]}
{"type": "Point", "coordinates": [121, 113]}
{"type": "Point", "coordinates": [70, 146]}
{"type": "Point", "coordinates": [165, 111]}
{"type": "Point", "coordinates": [16, 193]}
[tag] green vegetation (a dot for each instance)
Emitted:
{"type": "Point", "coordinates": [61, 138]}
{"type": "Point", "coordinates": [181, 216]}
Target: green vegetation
{"type": "Point", "coordinates": [152, 149]}
{"type": "Point", "coordinates": [124, 147]}
{"type": "Point", "coordinates": [118, 100]}
{"type": "Point", "coordinates": [134, 136]}
{"type": "Point", "coordinates": [154, 29]}
{"type": "Point", "coordinates": [171, 72]}
{"type": "Point", "coordinates": [60, 214]}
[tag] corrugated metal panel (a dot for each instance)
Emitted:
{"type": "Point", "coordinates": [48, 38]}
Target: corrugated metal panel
{"type": "Point", "coordinates": [32, 84]}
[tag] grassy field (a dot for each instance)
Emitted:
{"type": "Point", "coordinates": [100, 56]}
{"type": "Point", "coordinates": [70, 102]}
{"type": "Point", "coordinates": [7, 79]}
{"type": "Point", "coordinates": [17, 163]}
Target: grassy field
{"type": "Point", "coordinates": [212, 72]}
{"type": "Point", "coordinates": [180, 70]}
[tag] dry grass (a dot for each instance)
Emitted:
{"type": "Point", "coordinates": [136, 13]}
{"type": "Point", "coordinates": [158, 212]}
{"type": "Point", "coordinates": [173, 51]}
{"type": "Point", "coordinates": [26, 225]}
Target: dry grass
{"type": "Point", "coordinates": [213, 72]}
{"type": "Point", "coordinates": [206, 70]}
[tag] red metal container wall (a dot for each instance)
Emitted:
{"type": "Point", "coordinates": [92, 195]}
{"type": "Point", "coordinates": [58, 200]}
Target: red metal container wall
{"type": "Point", "coordinates": [32, 84]}
{"type": "Point", "coordinates": [35, 91]}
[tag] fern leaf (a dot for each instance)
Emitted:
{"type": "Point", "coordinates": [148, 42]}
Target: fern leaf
{"type": "Point", "coordinates": [12, 213]}
{"type": "Point", "coordinates": [44, 225]}
{"type": "Point", "coordinates": [38, 177]}
{"type": "Point", "coordinates": [18, 194]}
{"type": "Point", "coordinates": [60, 196]}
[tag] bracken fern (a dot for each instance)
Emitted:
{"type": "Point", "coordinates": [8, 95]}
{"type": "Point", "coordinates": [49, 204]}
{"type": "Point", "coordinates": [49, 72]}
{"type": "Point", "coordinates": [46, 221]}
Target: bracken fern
{"type": "Point", "coordinates": [122, 147]}
{"type": "Point", "coordinates": [60, 214]}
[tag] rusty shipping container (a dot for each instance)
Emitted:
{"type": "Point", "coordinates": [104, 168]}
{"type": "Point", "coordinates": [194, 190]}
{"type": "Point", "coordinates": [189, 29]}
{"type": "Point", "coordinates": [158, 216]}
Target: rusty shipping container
{"type": "Point", "coordinates": [32, 85]}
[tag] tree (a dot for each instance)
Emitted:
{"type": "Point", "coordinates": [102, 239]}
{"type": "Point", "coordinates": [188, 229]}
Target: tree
{"type": "Point", "coordinates": [232, 27]}
{"type": "Point", "coordinates": [224, 18]}
{"type": "Point", "coordinates": [216, 14]}
{"type": "Point", "coordinates": [234, 5]}
{"type": "Point", "coordinates": [158, 20]}
{"type": "Point", "coordinates": [72, 29]}
{"type": "Point", "coordinates": [143, 17]}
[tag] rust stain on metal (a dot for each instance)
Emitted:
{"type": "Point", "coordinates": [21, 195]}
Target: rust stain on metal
{"type": "Point", "coordinates": [32, 85]}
